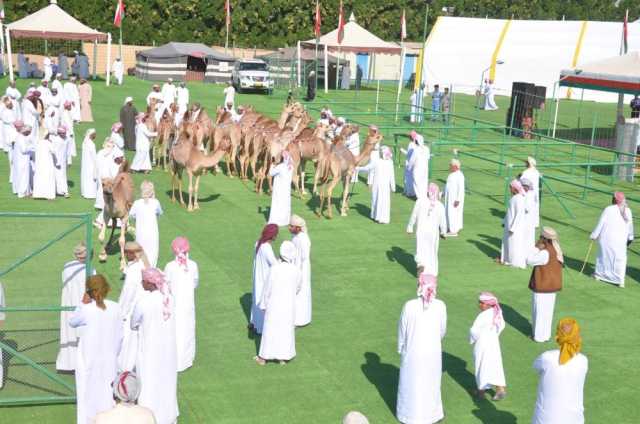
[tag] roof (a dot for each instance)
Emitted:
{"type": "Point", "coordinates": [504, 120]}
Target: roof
{"type": "Point", "coordinates": [251, 60]}
{"type": "Point", "coordinates": [357, 40]}
{"type": "Point", "coordinates": [53, 23]}
{"type": "Point", "coordinates": [291, 53]}
{"type": "Point", "coordinates": [175, 49]}
{"type": "Point", "coordinates": [620, 74]}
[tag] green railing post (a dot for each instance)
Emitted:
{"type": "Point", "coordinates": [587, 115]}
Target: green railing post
{"type": "Point", "coordinates": [474, 130]}
{"type": "Point", "coordinates": [513, 116]}
{"type": "Point", "coordinates": [501, 166]}
{"type": "Point", "coordinates": [573, 157]}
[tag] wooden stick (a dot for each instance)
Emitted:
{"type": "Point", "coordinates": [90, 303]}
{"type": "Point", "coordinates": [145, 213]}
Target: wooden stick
{"type": "Point", "coordinates": [587, 257]}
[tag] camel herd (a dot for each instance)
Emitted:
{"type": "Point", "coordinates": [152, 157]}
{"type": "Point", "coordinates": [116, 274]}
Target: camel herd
{"type": "Point", "coordinates": [252, 145]}
{"type": "Point", "coordinates": [249, 147]}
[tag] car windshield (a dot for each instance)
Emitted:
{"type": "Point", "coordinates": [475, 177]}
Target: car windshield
{"type": "Point", "coordinates": [253, 66]}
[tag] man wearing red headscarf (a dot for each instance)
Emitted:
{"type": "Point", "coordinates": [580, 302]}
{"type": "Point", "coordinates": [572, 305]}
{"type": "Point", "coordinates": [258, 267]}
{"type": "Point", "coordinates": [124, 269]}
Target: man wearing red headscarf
{"type": "Point", "coordinates": [614, 233]}
{"type": "Point", "coordinates": [422, 326]}
{"type": "Point", "coordinates": [262, 263]}
{"type": "Point", "coordinates": [182, 277]}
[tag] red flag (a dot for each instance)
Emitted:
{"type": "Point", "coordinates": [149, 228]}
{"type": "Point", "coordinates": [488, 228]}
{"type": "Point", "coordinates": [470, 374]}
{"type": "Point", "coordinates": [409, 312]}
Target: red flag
{"type": "Point", "coordinates": [227, 9]}
{"type": "Point", "coordinates": [340, 24]}
{"type": "Point", "coordinates": [318, 20]}
{"type": "Point", "coordinates": [117, 19]}
{"type": "Point", "coordinates": [403, 27]}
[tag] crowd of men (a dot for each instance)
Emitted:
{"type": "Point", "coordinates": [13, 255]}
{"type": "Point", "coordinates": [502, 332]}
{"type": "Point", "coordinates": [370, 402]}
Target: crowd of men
{"type": "Point", "coordinates": [133, 349]}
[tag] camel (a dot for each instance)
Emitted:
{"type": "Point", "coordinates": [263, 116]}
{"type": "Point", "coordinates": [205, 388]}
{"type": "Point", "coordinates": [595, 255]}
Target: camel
{"type": "Point", "coordinates": [118, 198]}
{"type": "Point", "coordinates": [340, 164]}
{"type": "Point", "coordinates": [199, 124]}
{"type": "Point", "coordinates": [225, 128]}
{"type": "Point", "coordinates": [166, 129]}
{"type": "Point", "coordinates": [311, 146]}
{"type": "Point", "coordinates": [186, 155]}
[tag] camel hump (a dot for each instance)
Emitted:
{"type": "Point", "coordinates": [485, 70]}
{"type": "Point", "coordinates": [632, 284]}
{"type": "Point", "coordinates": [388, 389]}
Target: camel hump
{"type": "Point", "coordinates": [124, 167]}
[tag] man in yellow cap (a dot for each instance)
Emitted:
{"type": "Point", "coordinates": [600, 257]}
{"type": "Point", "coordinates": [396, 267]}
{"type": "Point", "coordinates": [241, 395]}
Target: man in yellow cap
{"type": "Point", "coordinates": [562, 375]}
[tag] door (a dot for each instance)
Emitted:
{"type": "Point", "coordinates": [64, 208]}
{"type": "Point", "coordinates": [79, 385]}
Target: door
{"type": "Point", "coordinates": [362, 62]}
{"type": "Point", "coordinates": [409, 67]}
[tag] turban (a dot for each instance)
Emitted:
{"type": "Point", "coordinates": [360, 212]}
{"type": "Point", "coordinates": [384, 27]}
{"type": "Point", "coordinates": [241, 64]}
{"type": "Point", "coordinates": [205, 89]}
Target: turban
{"type": "Point", "coordinates": [490, 299]}
{"type": "Point", "coordinates": [80, 251]}
{"type": "Point", "coordinates": [140, 116]}
{"type": "Point", "coordinates": [551, 234]}
{"type": "Point", "coordinates": [89, 133]}
{"type": "Point", "coordinates": [532, 162]}
{"type": "Point", "coordinates": [126, 387]}
{"type": "Point", "coordinates": [341, 120]}
{"type": "Point", "coordinates": [355, 417]}
{"type": "Point", "coordinates": [147, 189]}
{"type": "Point", "coordinates": [386, 152]}
{"type": "Point", "coordinates": [517, 186]}
{"type": "Point", "coordinates": [433, 193]}
{"type": "Point", "coordinates": [413, 134]}
{"type": "Point", "coordinates": [288, 251]}
{"type": "Point", "coordinates": [44, 81]}
{"type": "Point", "coordinates": [297, 221]}
{"type": "Point", "coordinates": [62, 130]}
{"type": "Point", "coordinates": [134, 247]}
{"type": "Point", "coordinates": [128, 100]}
{"type": "Point", "coordinates": [526, 183]}
{"type": "Point", "coordinates": [116, 127]}
{"type": "Point", "coordinates": [620, 200]}
{"type": "Point", "coordinates": [373, 129]}
{"type": "Point", "coordinates": [427, 288]}
{"type": "Point", "coordinates": [37, 93]}
{"type": "Point", "coordinates": [180, 247]}
{"type": "Point", "coordinates": [156, 277]}
{"type": "Point", "coordinates": [286, 157]}
{"type": "Point", "coordinates": [455, 163]}
{"type": "Point", "coordinates": [18, 124]}
{"type": "Point", "coordinates": [269, 233]}
{"type": "Point", "coordinates": [68, 103]}
{"type": "Point", "coordinates": [568, 338]}
{"type": "Point", "coordinates": [58, 75]}
{"type": "Point", "coordinates": [26, 129]}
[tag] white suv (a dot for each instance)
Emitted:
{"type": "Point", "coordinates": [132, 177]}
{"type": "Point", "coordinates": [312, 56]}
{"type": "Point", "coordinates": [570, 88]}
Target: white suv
{"type": "Point", "coordinates": [251, 74]}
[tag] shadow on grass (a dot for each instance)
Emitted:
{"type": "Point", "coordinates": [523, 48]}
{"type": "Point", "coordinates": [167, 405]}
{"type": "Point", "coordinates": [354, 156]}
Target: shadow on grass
{"type": "Point", "coordinates": [404, 258]}
{"type": "Point", "coordinates": [363, 210]}
{"type": "Point", "coordinates": [485, 248]}
{"type": "Point", "coordinates": [516, 320]}
{"type": "Point", "coordinates": [498, 213]}
{"type": "Point", "coordinates": [185, 196]}
{"type": "Point", "coordinates": [384, 376]}
{"type": "Point", "coordinates": [245, 303]}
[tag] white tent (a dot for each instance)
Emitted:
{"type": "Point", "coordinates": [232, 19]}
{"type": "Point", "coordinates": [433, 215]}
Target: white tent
{"type": "Point", "coordinates": [458, 50]}
{"type": "Point", "coordinates": [51, 22]}
{"type": "Point", "coordinates": [356, 40]}
{"type": "Point", "coordinates": [618, 74]}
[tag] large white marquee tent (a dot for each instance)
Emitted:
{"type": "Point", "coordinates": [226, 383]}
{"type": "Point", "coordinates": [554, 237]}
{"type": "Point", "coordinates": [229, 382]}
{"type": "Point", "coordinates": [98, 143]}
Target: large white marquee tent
{"type": "Point", "coordinates": [458, 50]}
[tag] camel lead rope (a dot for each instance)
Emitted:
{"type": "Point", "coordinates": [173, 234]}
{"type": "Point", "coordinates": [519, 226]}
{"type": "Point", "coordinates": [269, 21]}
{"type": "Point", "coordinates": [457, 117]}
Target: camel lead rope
{"type": "Point", "coordinates": [584, 264]}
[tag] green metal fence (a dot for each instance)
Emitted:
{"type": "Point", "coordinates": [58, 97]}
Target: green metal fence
{"type": "Point", "coordinates": [29, 334]}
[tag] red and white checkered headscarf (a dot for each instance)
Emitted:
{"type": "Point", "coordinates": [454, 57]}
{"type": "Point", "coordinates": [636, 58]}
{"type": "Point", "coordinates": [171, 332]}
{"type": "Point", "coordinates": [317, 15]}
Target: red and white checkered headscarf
{"type": "Point", "coordinates": [180, 247]}
{"type": "Point", "coordinates": [490, 299]}
{"type": "Point", "coordinates": [621, 201]}
{"type": "Point", "coordinates": [156, 277]}
{"type": "Point", "coordinates": [427, 288]}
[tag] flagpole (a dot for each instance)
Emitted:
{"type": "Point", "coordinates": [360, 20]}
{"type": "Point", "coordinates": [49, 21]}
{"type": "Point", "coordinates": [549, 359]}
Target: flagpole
{"type": "Point", "coordinates": [120, 52]}
{"type": "Point", "coordinates": [317, 42]}
{"type": "Point", "coordinates": [620, 108]}
{"type": "Point", "coordinates": [326, 69]}
{"type": "Point", "coordinates": [399, 82]}
{"type": "Point", "coordinates": [4, 72]}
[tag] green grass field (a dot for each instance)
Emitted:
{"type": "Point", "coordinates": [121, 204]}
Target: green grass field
{"type": "Point", "coordinates": [362, 273]}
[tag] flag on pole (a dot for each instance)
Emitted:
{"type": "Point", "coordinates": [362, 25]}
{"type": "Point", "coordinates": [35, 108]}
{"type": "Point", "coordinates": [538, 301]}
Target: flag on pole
{"type": "Point", "coordinates": [1, 10]}
{"type": "Point", "coordinates": [117, 19]}
{"type": "Point", "coordinates": [625, 33]}
{"type": "Point", "coordinates": [403, 27]}
{"type": "Point", "coordinates": [341, 24]}
{"type": "Point", "coordinates": [227, 9]}
{"type": "Point", "coordinates": [318, 20]}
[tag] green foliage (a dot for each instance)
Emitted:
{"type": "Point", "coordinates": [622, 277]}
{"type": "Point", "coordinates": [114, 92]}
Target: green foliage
{"type": "Point", "coordinates": [276, 23]}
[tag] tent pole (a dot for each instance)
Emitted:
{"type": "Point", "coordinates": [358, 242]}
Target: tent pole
{"type": "Point", "coordinates": [95, 58]}
{"type": "Point", "coordinates": [326, 70]}
{"type": "Point", "coordinates": [399, 82]}
{"type": "Point", "coordinates": [9, 54]}
{"type": "Point", "coordinates": [299, 66]}
{"type": "Point", "coordinates": [4, 72]}
{"type": "Point", "coordinates": [108, 58]}
{"type": "Point", "coordinates": [338, 68]}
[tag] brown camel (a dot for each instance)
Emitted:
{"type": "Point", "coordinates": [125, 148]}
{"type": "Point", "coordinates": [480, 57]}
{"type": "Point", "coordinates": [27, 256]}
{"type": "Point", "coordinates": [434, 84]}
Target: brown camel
{"type": "Point", "coordinates": [311, 146]}
{"type": "Point", "coordinates": [225, 128]}
{"type": "Point", "coordinates": [339, 164]}
{"type": "Point", "coordinates": [185, 155]}
{"type": "Point", "coordinates": [166, 129]}
{"type": "Point", "coordinates": [118, 198]}
{"type": "Point", "coordinates": [199, 124]}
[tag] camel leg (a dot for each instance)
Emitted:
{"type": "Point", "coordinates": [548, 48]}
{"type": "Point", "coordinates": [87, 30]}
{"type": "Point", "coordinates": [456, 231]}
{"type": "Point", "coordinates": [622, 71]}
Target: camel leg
{"type": "Point", "coordinates": [102, 256]}
{"type": "Point", "coordinates": [190, 205]}
{"type": "Point", "coordinates": [180, 189]}
{"type": "Point", "coordinates": [122, 240]}
{"type": "Point", "coordinates": [332, 185]}
{"type": "Point", "coordinates": [173, 187]}
{"type": "Point", "coordinates": [345, 195]}
{"type": "Point", "coordinates": [196, 205]}
{"type": "Point", "coordinates": [319, 210]}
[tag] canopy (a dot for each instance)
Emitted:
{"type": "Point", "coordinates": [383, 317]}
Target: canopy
{"type": "Point", "coordinates": [356, 40]}
{"type": "Point", "coordinates": [173, 50]}
{"type": "Point", "coordinates": [619, 74]}
{"type": "Point", "coordinates": [53, 23]}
